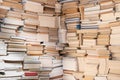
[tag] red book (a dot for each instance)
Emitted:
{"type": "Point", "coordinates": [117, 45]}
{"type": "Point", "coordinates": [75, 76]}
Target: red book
{"type": "Point", "coordinates": [30, 73]}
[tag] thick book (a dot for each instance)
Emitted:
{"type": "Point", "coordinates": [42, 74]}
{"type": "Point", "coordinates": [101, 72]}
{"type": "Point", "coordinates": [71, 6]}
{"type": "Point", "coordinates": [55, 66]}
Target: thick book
{"type": "Point", "coordinates": [69, 64]}
{"type": "Point", "coordinates": [33, 22]}
{"type": "Point", "coordinates": [13, 21]}
{"type": "Point", "coordinates": [108, 17]}
{"type": "Point", "coordinates": [14, 14]}
{"type": "Point", "coordinates": [51, 21]}
{"type": "Point", "coordinates": [18, 6]}
{"type": "Point", "coordinates": [33, 7]}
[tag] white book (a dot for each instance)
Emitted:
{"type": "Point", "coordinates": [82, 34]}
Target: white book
{"type": "Point", "coordinates": [108, 17]}
{"type": "Point", "coordinates": [29, 77]}
{"type": "Point", "coordinates": [92, 12]}
{"type": "Point", "coordinates": [3, 52]}
{"type": "Point", "coordinates": [13, 21]}
{"type": "Point", "coordinates": [106, 10]}
{"type": "Point", "coordinates": [100, 78]}
{"type": "Point", "coordinates": [46, 61]}
{"type": "Point", "coordinates": [2, 66]}
{"type": "Point", "coordinates": [13, 66]}
{"type": "Point", "coordinates": [32, 66]}
{"type": "Point", "coordinates": [93, 8]}
{"type": "Point", "coordinates": [11, 78]}
{"type": "Point", "coordinates": [1, 1]}
{"type": "Point", "coordinates": [68, 77]}
{"type": "Point", "coordinates": [43, 37]}
{"type": "Point", "coordinates": [57, 63]}
{"type": "Point", "coordinates": [69, 64]}
{"type": "Point", "coordinates": [117, 7]}
{"type": "Point", "coordinates": [3, 46]}
{"type": "Point", "coordinates": [31, 59]}
{"type": "Point", "coordinates": [12, 74]}
{"type": "Point", "coordinates": [10, 26]}
{"type": "Point", "coordinates": [14, 57]}
{"type": "Point", "coordinates": [5, 7]}
{"type": "Point", "coordinates": [56, 72]}
{"type": "Point", "coordinates": [117, 14]}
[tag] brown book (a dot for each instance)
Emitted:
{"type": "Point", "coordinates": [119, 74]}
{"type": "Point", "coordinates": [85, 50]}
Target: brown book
{"type": "Point", "coordinates": [34, 47]}
{"type": "Point", "coordinates": [116, 1]}
{"type": "Point", "coordinates": [114, 24]}
{"type": "Point", "coordinates": [14, 14]}
{"type": "Point", "coordinates": [14, 1]}
{"type": "Point", "coordinates": [43, 30]}
{"type": "Point", "coordinates": [33, 7]}
{"type": "Point", "coordinates": [88, 77]}
{"type": "Point", "coordinates": [34, 52]}
{"type": "Point", "coordinates": [8, 30]}
{"type": "Point", "coordinates": [51, 21]}
{"type": "Point", "coordinates": [33, 22]}
{"type": "Point", "coordinates": [74, 15]}
{"type": "Point", "coordinates": [49, 10]}
{"type": "Point", "coordinates": [13, 5]}
{"type": "Point", "coordinates": [3, 11]}
{"type": "Point", "coordinates": [30, 27]}
{"type": "Point", "coordinates": [114, 66]}
{"type": "Point", "coordinates": [31, 16]}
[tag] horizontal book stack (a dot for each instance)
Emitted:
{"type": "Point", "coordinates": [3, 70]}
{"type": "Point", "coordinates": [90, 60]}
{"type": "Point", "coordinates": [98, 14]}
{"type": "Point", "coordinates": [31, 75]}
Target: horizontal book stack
{"type": "Point", "coordinates": [24, 25]}
{"type": "Point", "coordinates": [103, 37]}
{"type": "Point", "coordinates": [34, 49]}
{"type": "Point", "coordinates": [51, 67]}
{"type": "Point", "coordinates": [70, 69]}
{"type": "Point", "coordinates": [31, 63]}
{"type": "Point", "coordinates": [89, 16]}
{"type": "Point", "coordinates": [88, 38]}
{"type": "Point", "coordinates": [71, 19]}
{"type": "Point", "coordinates": [114, 70]}
{"type": "Point", "coordinates": [107, 9]}
{"type": "Point", "coordinates": [114, 49]}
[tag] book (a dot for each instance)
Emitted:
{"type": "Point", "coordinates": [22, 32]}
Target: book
{"type": "Point", "coordinates": [13, 21]}
{"type": "Point", "coordinates": [108, 17]}
{"type": "Point", "coordinates": [68, 77]}
{"type": "Point", "coordinates": [100, 78]}
{"type": "Point", "coordinates": [33, 22]}
{"type": "Point", "coordinates": [33, 7]}
{"type": "Point", "coordinates": [12, 74]}
{"type": "Point", "coordinates": [117, 7]}
{"type": "Point", "coordinates": [89, 42]}
{"type": "Point", "coordinates": [18, 6]}
{"type": "Point", "coordinates": [69, 64]}
{"type": "Point", "coordinates": [81, 63]}
{"type": "Point", "coordinates": [30, 73]}
{"type": "Point", "coordinates": [14, 57]}
{"type": "Point", "coordinates": [113, 66]}
{"type": "Point", "coordinates": [50, 21]}
{"type": "Point", "coordinates": [91, 69]}
{"type": "Point", "coordinates": [113, 76]}
{"type": "Point", "coordinates": [56, 72]}
{"type": "Point", "coordinates": [14, 14]}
